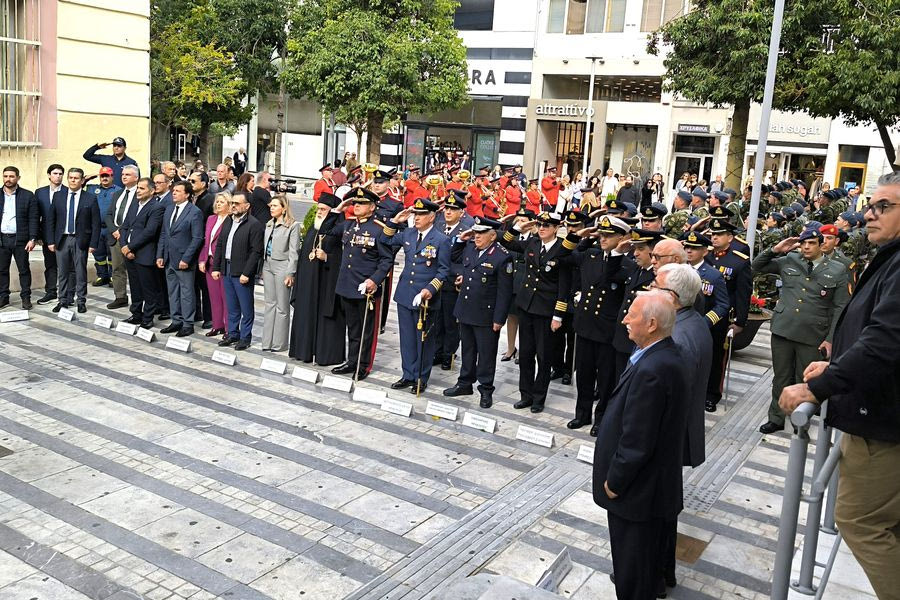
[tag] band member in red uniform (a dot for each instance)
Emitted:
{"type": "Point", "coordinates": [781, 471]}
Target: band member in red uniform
{"type": "Point", "coordinates": [533, 197]}
{"type": "Point", "coordinates": [414, 188]}
{"type": "Point", "coordinates": [326, 184]}
{"type": "Point", "coordinates": [455, 183]}
{"type": "Point", "coordinates": [513, 192]}
{"type": "Point", "coordinates": [550, 187]}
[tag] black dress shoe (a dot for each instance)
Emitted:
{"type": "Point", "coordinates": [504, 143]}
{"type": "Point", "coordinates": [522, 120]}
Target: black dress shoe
{"type": "Point", "coordinates": [185, 331]}
{"type": "Point", "coordinates": [47, 298]}
{"type": "Point", "coordinates": [710, 406]}
{"type": "Point", "coordinates": [661, 589]}
{"type": "Point", "coordinates": [438, 359]}
{"type": "Point", "coordinates": [118, 303]}
{"type": "Point", "coordinates": [82, 308]}
{"type": "Point", "coordinates": [458, 390]}
{"type": "Point", "coordinates": [344, 369]}
{"type": "Point", "coordinates": [486, 400]}
{"type": "Point", "coordinates": [593, 433]}
{"type": "Point", "coordinates": [362, 374]}
{"type": "Point", "coordinates": [447, 364]}
{"type": "Point", "coordinates": [214, 332]}
{"type": "Point", "coordinates": [206, 325]}
{"type": "Point", "coordinates": [577, 424]}
{"type": "Point", "coordinates": [770, 427]}
{"type": "Point", "coordinates": [26, 304]}
{"type": "Point", "coordinates": [58, 306]}
{"type": "Point", "coordinates": [147, 325]}
{"type": "Point", "coordinates": [567, 379]}
{"type": "Point", "coordinates": [164, 316]}
{"type": "Point", "coordinates": [133, 320]}
{"type": "Point", "coordinates": [421, 390]}
{"type": "Point", "coordinates": [522, 404]}
{"type": "Point", "coordinates": [227, 341]}
{"type": "Point", "coordinates": [242, 345]}
{"type": "Point", "coordinates": [4, 302]}
{"type": "Point", "coordinates": [537, 408]}
{"type": "Point", "coordinates": [554, 375]}
{"type": "Point", "coordinates": [402, 383]}
{"type": "Point", "coordinates": [670, 580]}
{"type": "Point", "coordinates": [171, 328]}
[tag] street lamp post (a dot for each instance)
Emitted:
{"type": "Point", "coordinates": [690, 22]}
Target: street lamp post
{"type": "Point", "coordinates": [587, 126]}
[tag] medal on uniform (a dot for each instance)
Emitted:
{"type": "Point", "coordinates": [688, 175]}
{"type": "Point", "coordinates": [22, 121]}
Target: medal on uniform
{"type": "Point", "coordinates": [547, 268]}
{"type": "Point", "coordinates": [427, 263]}
{"type": "Point", "coordinates": [484, 280]}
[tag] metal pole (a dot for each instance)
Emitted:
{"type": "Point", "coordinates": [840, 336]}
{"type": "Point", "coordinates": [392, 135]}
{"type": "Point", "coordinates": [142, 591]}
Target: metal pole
{"type": "Point", "coordinates": [804, 585]}
{"type": "Point", "coordinates": [765, 114]}
{"type": "Point", "coordinates": [587, 125]}
{"type": "Point", "coordinates": [828, 525]}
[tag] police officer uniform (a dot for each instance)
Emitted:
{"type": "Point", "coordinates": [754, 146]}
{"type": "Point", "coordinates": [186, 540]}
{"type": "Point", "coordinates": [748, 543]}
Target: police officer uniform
{"type": "Point", "coordinates": [735, 268]}
{"type": "Point", "coordinates": [365, 256]}
{"type": "Point", "coordinates": [543, 298]}
{"type": "Point", "coordinates": [712, 302]}
{"type": "Point", "coordinates": [813, 295]}
{"type": "Point", "coordinates": [601, 290]}
{"type": "Point", "coordinates": [484, 300]}
{"type": "Point", "coordinates": [446, 329]}
{"type": "Point", "coordinates": [426, 267]}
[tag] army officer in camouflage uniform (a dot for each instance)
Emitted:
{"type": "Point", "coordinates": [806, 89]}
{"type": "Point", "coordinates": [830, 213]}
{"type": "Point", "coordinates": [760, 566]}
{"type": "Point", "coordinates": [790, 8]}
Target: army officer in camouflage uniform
{"type": "Point", "coordinates": [813, 294]}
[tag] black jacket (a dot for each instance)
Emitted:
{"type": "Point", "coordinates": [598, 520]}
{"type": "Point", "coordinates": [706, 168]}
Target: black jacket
{"type": "Point", "coordinates": [548, 281]}
{"type": "Point", "coordinates": [863, 379]}
{"type": "Point", "coordinates": [246, 247]}
{"type": "Point", "coordinates": [26, 216]}
{"type": "Point", "coordinates": [641, 438]}
{"type": "Point", "coordinates": [140, 231]}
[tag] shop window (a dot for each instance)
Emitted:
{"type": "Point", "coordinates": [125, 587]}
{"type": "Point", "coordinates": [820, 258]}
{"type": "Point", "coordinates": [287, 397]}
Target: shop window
{"type": "Point", "coordinates": [576, 17]}
{"type": "Point", "coordinates": [695, 144]}
{"type": "Point", "coordinates": [853, 154]}
{"type": "Point", "coordinates": [659, 12]}
{"type": "Point", "coordinates": [20, 75]}
{"type": "Point", "coordinates": [474, 15]}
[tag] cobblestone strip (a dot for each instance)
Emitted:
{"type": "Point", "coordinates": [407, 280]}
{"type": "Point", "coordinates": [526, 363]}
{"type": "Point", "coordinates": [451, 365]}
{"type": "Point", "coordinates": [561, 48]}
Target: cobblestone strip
{"type": "Point", "coordinates": [474, 540]}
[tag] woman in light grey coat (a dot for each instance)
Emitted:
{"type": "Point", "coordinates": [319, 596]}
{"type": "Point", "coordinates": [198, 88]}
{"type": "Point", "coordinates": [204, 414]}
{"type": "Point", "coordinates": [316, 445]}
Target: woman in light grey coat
{"type": "Point", "coordinates": [281, 245]}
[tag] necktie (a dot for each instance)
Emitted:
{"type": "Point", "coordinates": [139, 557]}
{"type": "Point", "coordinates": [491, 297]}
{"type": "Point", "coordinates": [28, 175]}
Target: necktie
{"type": "Point", "coordinates": [543, 252]}
{"type": "Point", "coordinates": [418, 240]}
{"type": "Point", "coordinates": [121, 213]}
{"type": "Point", "coordinates": [448, 230]}
{"type": "Point", "coordinates": [70, 220]}
{"type": "Point", "coordinates": [174, 215]}
{"type": "Point", "coordinates": [809, 267]}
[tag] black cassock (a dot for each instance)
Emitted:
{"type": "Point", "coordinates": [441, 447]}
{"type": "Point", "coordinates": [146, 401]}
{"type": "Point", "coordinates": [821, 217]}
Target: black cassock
{"type": "Point", "coordinates": [318, 329]}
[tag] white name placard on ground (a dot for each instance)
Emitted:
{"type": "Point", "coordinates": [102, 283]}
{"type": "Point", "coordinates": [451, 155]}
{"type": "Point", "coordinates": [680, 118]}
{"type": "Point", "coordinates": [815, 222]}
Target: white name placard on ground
{"type": "Point", "coordinates": [304, 374]}
{"type": "Point", "coordinates": [14, 315]}
{"type": "Point", "coordinates": [586, 454]}
{"type": "Point", "coordinates": [177, 343]}
{"type": "Point", "coordinates": [439, 409]}
{"type": "Point", "coordinates": [477, 421]}
{"type": "Point", "coordinates": [273, 366]}
{"type": "Point", "coordinates": [369, 395]}
{"type": "Point", "coordinates": [145, 334]}
{"type": "Point", "coordinates": [397, 407]}
{"type": "Point", "coordinates": [341, 384]}
{"type": "Point", "coordinates": [65, 314]}
{"type": "Point", "coordinates": [534, 436]}
{"type": "Point", "coordinates": [104, 322]}
{"type": "Point", "coordinates": [126, 328]}
{"type": "Point", "coordinates": [224, 357]}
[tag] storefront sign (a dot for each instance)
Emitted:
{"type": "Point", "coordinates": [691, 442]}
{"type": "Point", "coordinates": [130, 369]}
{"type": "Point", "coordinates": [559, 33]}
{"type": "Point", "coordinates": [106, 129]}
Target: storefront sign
{"type": "Point", "coordinates": [563, 110]}
{"type": "Point", "coordinates": [482, 77]}
{"type": "Point", "coordinates": [801, 131]}
{"type": "Point", "coordinates": [687, 128]}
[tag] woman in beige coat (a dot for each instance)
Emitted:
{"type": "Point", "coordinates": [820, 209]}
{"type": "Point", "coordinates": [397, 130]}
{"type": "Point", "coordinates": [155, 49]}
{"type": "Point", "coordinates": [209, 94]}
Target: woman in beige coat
{"type": "Point", "coordinates": [281, 246]}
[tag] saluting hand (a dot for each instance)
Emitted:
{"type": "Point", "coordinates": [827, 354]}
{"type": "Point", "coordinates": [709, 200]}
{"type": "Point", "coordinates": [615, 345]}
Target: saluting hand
{"type": "Point", "coordinates": [786, 245]}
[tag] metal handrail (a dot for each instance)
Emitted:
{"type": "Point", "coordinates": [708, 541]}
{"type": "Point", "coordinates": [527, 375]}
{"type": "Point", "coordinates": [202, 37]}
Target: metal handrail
{"type": "Point", "coordinates": [824, 480]}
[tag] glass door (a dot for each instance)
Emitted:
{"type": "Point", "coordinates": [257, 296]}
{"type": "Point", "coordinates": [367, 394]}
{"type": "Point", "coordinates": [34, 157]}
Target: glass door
{"type": "Point", "coordinates": [486, 149]}
{"type": "Point", "coordinates": [850, 175]}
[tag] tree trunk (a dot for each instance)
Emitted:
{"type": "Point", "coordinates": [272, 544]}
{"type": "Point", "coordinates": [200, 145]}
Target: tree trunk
{"type": "Point", "coordinates": [204, 143]}
{"type": "Point", "coordinates": [736, 145]}
{"type": "Point", "coordinates": [888, 144]}
{"type": "Point", "coordinates": [374, 125]}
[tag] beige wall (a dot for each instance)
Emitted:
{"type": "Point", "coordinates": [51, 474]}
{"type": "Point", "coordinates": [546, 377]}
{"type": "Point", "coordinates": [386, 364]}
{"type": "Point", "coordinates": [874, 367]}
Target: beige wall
{"type": "Point", "coordinates": [101, 88]}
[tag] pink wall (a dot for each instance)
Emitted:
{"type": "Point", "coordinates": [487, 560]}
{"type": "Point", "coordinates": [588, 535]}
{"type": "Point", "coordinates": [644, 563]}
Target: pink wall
{"type": "Point", "coordinates": [47, 121]}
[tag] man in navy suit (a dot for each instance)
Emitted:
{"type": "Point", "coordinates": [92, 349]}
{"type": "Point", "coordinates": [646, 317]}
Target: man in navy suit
{"type": "Point", "coordinates": [138, 237]}
{"type": "Point", "coordinates": [18, 235]}
{"type": "Point", "coordinates": [75, 229]}
{"type": "Point", "coordinates": [637, 459]}
{"type": "Point", "coordinates": [179, 244]}
{"type": "Point", "coordinates": [44, 196]}
{"type": "Point", "coordinates": [162, 193]}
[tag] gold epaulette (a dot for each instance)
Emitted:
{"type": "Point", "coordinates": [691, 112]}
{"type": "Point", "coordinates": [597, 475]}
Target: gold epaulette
{"type": "Point", "coordinates": [741, 255]}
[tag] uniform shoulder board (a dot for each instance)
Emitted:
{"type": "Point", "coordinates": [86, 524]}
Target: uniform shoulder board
{"type": "Point", "coordinates": [502, 249]}
{"type": "Point", "coordinates": [741, 255]}
{"type": "Point", "coordinates": [380, 223]}
{"type": "Point", "coordinates": [740, 239]}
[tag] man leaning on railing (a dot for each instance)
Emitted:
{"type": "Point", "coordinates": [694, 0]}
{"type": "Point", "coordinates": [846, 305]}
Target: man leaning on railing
{"type": "Point", "coordinates": [862, 382]}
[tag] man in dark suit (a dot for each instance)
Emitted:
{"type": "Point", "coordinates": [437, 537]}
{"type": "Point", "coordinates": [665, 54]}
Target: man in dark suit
{"type": "Point", "coordinates": [44, 196]}
{"type": "Point", "coordinates": [691, 335]}
{"type": "Point", "coordinates": [237, 259]}
{"type": "Point", "coordinates": [637, 464]}
{"type": "Point", "coordinates": [179, 244]}
{"type": "Point", "coordinates": [138, 237]}
{"type": "Point", "coordinates": [18, 234]}
{"type": "Point", "coordinates": [75, 230]}
{"type": "Point", "coordinates": [119, 208]}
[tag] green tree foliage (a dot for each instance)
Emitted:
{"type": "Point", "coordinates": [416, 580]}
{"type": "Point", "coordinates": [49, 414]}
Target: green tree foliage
{"type": "Point", "coordinates": [372, 60]}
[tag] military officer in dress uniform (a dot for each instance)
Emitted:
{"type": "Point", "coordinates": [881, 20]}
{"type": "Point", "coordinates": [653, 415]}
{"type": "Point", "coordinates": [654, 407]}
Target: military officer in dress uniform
{"type": "Point", "coordinates": [425, 270]}
{"type": "Point", "coordinates": [726, 214]}
{"type": "Point", "coordinates": [386, 209]}
{"type": "Point", "coordinates": [652, 215]}
{"type": "Point", "coordinates": [482, 306]}
{"type": "Point", "coordinates": [735, 268]}
{"type": "Point", "coordinates": [451, 221]}
{"type": "Point", "coordinates": [813, 294]}
{"type": "Point", "coordinates": [564, 338]}
{"type": "Point", "coordinates": [541, 302]}
{"type": "Point", "coordinates": [601, 290]}
{"type": "Point", "coordinates": [365, 263]}
{"type": "Point", "coordinates": [642, 243]}
{"type": "Point", "coordinates": [712, 302]}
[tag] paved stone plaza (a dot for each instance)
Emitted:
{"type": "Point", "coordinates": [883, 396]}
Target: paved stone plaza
{"type": "Point", "coordinates": [136, 471]}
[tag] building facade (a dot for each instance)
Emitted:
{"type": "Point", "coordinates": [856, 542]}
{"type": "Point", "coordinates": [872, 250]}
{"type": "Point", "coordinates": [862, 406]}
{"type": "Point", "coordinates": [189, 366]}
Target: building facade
{"type": "Point", "coordinates": [76, 72]}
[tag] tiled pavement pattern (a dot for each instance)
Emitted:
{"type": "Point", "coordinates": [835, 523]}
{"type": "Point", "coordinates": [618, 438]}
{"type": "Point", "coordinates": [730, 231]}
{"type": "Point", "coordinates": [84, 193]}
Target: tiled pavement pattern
{"type": "Point", "coordinates": [141, 472]}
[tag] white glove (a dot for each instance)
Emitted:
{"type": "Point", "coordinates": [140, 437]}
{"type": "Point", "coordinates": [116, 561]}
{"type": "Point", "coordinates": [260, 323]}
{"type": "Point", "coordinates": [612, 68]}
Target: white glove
{"type": "Point", "coordinates": [417, 300]}
{"type": "Point", "coordinates": [362, 288]}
